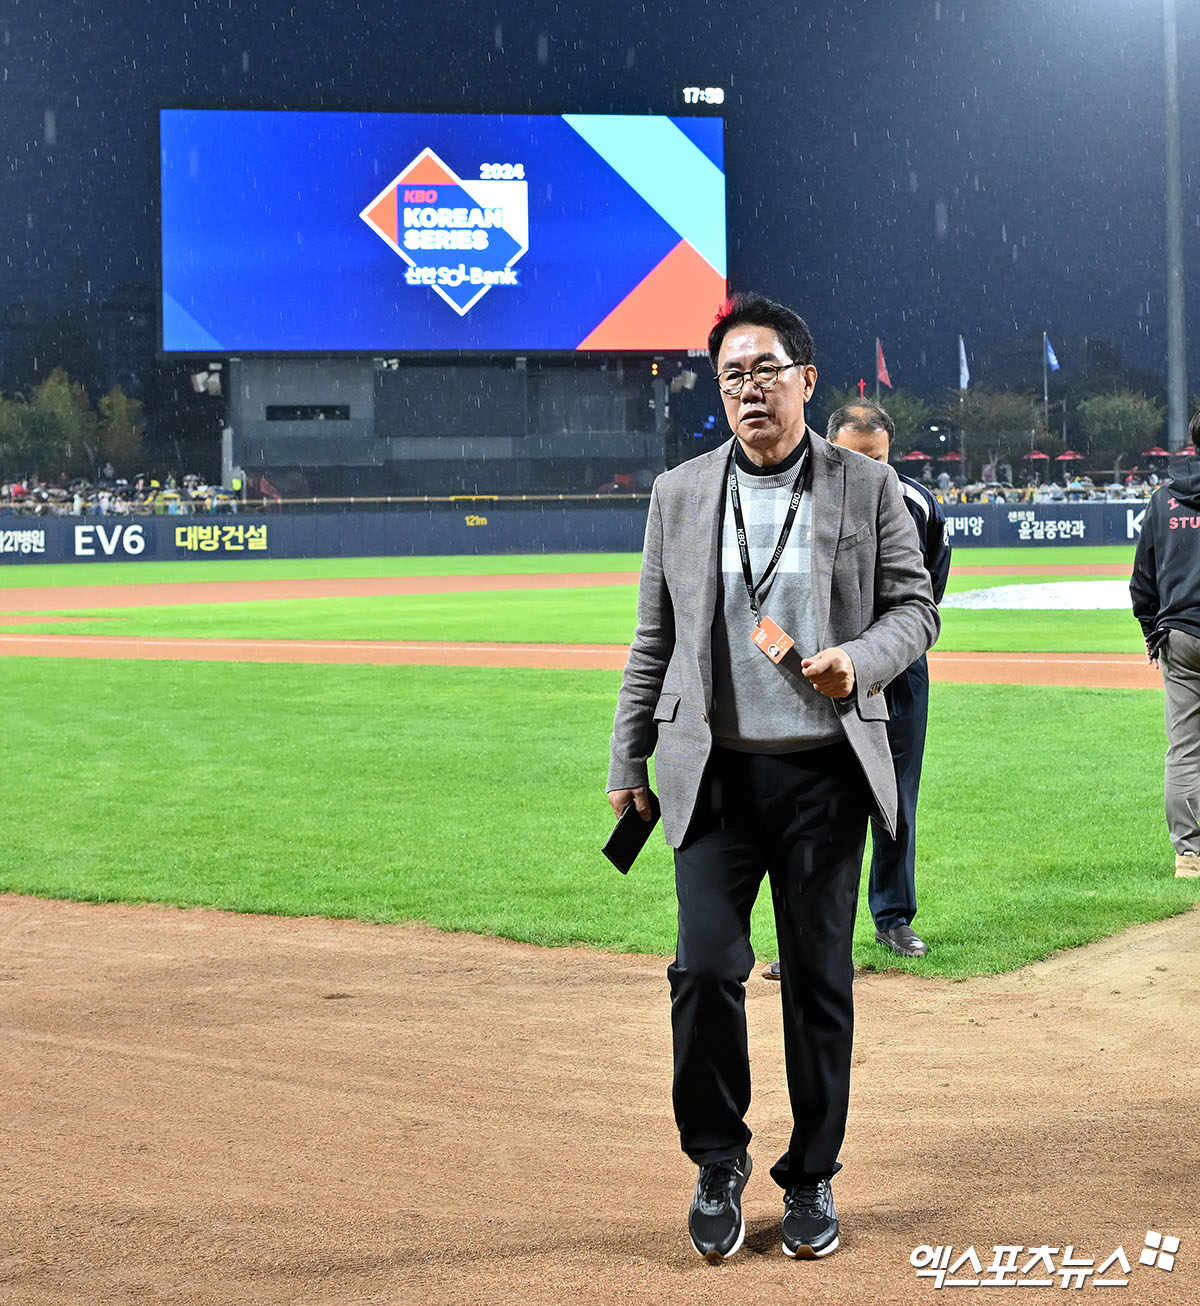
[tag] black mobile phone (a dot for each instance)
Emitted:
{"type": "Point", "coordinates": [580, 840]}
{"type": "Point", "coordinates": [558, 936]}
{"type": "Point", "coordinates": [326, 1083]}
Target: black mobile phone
{"type": "Point", "coordinates": [630, 834]}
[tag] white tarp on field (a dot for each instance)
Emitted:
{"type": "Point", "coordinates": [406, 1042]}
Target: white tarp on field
{"type": "Point", "coordinates": [1112, 594]}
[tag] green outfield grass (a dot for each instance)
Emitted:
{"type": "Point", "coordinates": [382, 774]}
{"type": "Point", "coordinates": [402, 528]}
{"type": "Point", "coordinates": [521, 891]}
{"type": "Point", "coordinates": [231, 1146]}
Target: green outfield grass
{"type": "Point", "coordinates": [960, 582]}
{"type": "Point", "coordinates": [1050, 631]}
{"type": "Point", "coordinates": [604, 614]}
{"type": "Point", "coordinates": [1042, 556]}
{"type": "Point", "coordinates": [472, 799]}
{"type": "Point", "coordinates": [20, 575]}
{"type": "Point", "coordinates": [601, 615]}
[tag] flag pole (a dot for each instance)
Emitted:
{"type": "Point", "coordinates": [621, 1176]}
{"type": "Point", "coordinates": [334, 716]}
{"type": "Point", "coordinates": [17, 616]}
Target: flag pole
{"type": "Point", "coordinates": [964, 380]}
{"type": "Point", "coordinates": [876, 369]}
{"type": "Point", "coordinates": [1046, 380]}
{"type": "Point", "coordinates": [1177, 393]}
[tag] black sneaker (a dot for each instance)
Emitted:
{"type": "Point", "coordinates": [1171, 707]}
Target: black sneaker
{"type": "Point", "coordinates": [810, 1224]}
{"type": "Point", "coordinates": [715, 1220]}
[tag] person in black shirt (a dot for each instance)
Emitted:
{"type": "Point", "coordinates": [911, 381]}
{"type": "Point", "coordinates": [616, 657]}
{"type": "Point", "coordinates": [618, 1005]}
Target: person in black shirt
{"type": "Point", "coordinates": [866, 428]}
{"type": "Point", "coordinates": [1165, 590]}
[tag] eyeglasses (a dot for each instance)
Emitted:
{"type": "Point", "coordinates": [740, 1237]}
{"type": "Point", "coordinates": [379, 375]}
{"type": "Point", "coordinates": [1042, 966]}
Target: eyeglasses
{"type": "Point", "coordinates": [764, 375]}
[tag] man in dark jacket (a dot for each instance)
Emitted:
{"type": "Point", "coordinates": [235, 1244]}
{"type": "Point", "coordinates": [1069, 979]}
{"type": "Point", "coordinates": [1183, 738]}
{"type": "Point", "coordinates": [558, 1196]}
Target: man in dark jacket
{"type": "Point", "coordinates": [1165, 589]}
{"type": "Point", "coordinates": [892, 890]}
{"type": "Point", "coordinates": [866, 428]}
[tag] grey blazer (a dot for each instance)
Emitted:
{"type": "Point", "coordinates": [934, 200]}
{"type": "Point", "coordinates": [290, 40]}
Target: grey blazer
{"type": "Point", "coordinates": [871, 597]}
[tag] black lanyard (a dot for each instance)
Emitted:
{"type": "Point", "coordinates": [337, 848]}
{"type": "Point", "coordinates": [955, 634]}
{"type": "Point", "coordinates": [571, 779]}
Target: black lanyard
{"type": "Point", "coordinates": [743, 548]}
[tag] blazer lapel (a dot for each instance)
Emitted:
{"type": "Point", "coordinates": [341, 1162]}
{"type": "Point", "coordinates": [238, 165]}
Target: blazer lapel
{"type": "Point", "coordinates": [711, 473]}
{"type": "Point", "coordinates": [828, 493]}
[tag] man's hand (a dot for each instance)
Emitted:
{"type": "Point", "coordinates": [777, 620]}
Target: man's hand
{"type": "Point", "coordinates": [1152, 658]}
{"type": "Point", "coordinates": [830, 672]}
{"type": "Point", "coordinates": [640, 797]}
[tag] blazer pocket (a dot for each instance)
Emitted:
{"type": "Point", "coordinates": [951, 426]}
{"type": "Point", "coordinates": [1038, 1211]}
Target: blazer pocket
{"type": "Point", "coordinates": [667, 706]}
{"type": "Point", "coordinates": [857, 537]}
{"type": "Point", "coordinates": [873, 707]}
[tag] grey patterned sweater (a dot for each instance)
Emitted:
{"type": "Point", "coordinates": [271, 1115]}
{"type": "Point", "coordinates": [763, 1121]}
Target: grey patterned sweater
{"type": "Point", "coordinates": [761, 707]}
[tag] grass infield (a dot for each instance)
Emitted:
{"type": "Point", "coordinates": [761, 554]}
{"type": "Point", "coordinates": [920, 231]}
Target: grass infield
{"type": "Point", "coordinates": [472, 798]}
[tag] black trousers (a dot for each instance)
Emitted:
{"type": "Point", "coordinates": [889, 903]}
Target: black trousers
{"type": "Point", "coordinates": [892, 888]}
{"type": "Point", "coordinates": [799, 818]}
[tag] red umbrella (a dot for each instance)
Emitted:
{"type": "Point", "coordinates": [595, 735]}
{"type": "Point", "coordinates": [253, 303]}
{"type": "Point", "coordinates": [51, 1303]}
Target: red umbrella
{"type": "Point", "coordinates": [1188, 451]}
{"type": "Point", "coordinates": [1037, 454]}
{"type": "Point", "coordinates": [1156, 452]}
{"type": "Point", "coordinates": [1070, 456]}
{"type": "Point", "coordinates": [915, 456]}
{"type": "Point", "coordinates": [952, 457]}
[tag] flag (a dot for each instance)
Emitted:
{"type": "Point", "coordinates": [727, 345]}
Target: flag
{"type": "Point", "coordinates": [881, 372]}
{"type": "Point", "coordinates": [1050, 359]}
{"type": "Point", "coordinates": [964, 377]}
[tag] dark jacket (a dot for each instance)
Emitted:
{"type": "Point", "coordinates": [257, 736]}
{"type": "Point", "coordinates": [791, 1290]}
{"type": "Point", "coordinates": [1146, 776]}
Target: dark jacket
{"type": "Point", "coordinates": [930, 522]}
{"type": "Point", "coordinates": [1165, 585]}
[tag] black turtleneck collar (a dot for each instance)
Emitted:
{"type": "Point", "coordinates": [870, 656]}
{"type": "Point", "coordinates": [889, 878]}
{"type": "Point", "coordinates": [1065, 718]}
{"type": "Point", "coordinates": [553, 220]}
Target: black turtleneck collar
{"type": "Point", "coordinates": [753, 469]}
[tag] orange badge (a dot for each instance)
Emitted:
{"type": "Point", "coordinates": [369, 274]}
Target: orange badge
{"type": "Point", "coordinates": [772, 639]}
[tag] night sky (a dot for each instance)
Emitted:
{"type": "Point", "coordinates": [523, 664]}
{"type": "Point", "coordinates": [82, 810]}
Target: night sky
{"type": "Point", "coordinates": [901, 168]}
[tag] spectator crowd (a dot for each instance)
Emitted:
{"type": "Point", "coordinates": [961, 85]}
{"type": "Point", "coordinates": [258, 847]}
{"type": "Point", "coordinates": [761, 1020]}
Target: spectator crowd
{"type": "Point", "coordinates": [112, 495]}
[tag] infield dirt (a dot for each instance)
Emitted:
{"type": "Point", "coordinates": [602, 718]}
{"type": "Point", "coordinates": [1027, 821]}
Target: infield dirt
{"type": "Point", "coordinates": [205, 1109]}
{"type": "Point", "coordinates": [217, 1110]}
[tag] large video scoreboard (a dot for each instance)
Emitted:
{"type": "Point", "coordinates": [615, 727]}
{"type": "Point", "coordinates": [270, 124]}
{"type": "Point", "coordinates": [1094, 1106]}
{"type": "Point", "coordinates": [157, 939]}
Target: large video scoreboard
{"type": "Point", "coordinates": [297, 232]}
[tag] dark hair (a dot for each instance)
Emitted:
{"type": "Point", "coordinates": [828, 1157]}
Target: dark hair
{"type": "Point", "coordinates": [1194, 428]}
{"type": "Point", "coordinates": [862, 415]}
{"type": "Point", "coordinates": [756, 310]}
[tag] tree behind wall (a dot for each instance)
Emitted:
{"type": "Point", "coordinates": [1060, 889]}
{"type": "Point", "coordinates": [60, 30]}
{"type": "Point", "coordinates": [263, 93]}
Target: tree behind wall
{"type": "Point", "coordinates": [1120, 425]}
{"type": "Point", "coordinates": [120, 433]}
{"type": "Point", "coordinates": [46, 432]}
{"type": "Point", "coordinates": [51, 432]}
{"type": "Point", "coordinates": [1004, 424]}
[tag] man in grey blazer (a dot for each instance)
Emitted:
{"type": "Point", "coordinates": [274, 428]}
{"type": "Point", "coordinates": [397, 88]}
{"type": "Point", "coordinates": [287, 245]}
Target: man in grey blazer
{"type": "Point", "coordinates": [781, 590]}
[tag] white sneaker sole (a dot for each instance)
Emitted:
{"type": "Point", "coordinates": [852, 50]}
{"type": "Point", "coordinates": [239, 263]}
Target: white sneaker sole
{"type": "Point", "coordinates": [805, 1253]}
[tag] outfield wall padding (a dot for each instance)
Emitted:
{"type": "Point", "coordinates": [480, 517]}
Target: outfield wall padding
{"type": "Point", "coordinates": [438, 529]}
